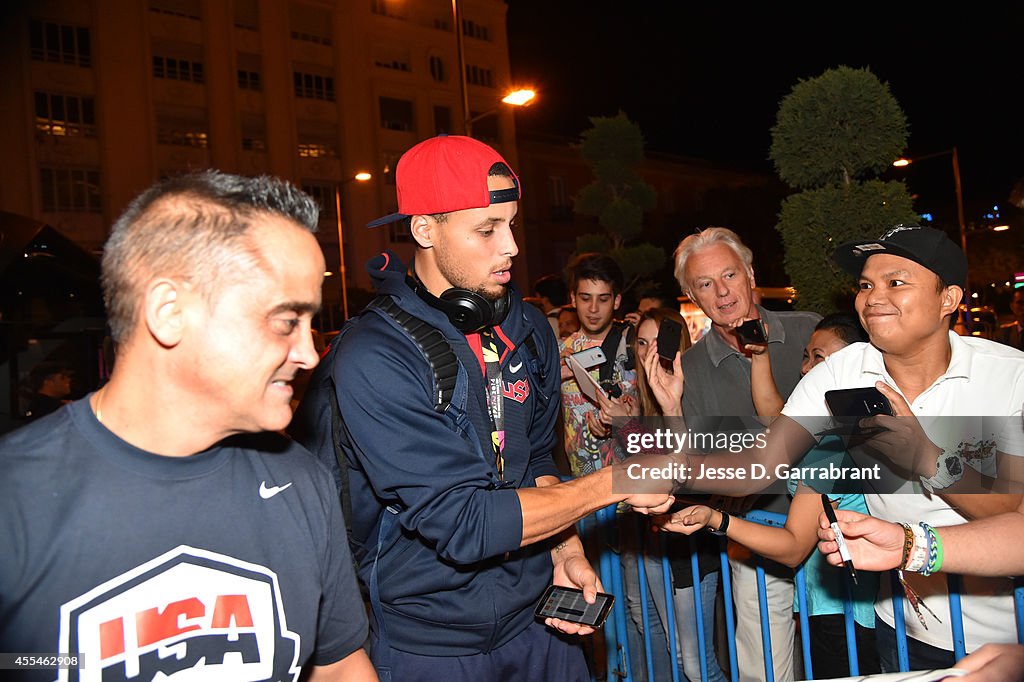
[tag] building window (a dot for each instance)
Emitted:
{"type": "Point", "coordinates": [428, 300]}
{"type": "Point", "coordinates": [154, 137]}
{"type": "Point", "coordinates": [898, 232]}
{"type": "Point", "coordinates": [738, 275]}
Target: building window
{"type": "Point", "coordinates": [478, 75]}
{"type": "Point", "coordinates": [561, 210]}
{"type": "Point", "coordinates": [60, 44]}
{"type": "Point", "coordinates": [61, 115]}
{"type": "Point", "coordinates": [317, 149]}
{"type": "Point", "coordinates": [475, 30]}
{"type": "Point", "coordinates": [182, 127]}
{"type": "Point", "coordinates": [396, 114]}
{"type": "Point", "coordinates": [253, 144]}
{"type": "Point", "coordinates": [183, 137]}
{"type": "Point", "coordinates": [70, 189]}
{"type": "Point", "coordinates": [395, 64]}
{"type": "Point", "coordinates": [178, 69]}
{"type": "Point", "coordinates": [249, 80]}
{"type": "Point", "coordinates": [188, 9]}
{"type": "Point", "coordinates": [323, 193]}
{"type": "Point", "coordinates": [437, 69]}
{"type": "Point", "coordinates": [314, 86]}
{"type": "Point", "coordinates": [442, 120]}
{"type": "Point", "coordinates": [247, 14]}
{"type": "Point", "coordinates": [310, 24]}
{"type": "Point", "coordinates": [254, 132]}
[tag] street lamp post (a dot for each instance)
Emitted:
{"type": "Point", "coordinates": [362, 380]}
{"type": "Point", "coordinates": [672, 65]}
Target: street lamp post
{"type": "Point", "coordinates": [901, 162]}
{"type": "Point", "coordinates": [904, 161]}
{"type": "Point", "coordinates": [516, 98]}
{"type": "Point", "coordinates": [361, 176]}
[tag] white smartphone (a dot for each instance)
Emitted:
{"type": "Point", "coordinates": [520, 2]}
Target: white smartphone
{"type": "Point", "coordinates": [590, 357]}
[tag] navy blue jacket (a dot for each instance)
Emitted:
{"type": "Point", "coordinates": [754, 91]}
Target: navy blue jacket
{"type": "Point", "coordinates": [451, 577]}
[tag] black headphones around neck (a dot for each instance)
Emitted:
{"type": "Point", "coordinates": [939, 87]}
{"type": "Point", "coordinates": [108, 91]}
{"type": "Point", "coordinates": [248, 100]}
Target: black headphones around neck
{"type": "Point", "coordinates": [467, 310]}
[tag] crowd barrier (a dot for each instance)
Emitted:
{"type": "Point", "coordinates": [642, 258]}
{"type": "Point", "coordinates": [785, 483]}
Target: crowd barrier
{"type": "Point", "coordinates": [603, 526]}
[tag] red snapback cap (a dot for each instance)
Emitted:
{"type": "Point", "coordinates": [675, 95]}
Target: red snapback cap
{"type": "Point", "coordinates": [447, 173]}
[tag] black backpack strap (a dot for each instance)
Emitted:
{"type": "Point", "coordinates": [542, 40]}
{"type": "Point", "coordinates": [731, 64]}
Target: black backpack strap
{"type": "Point", "coordinates": [610, 346]}
{"type": "Point", "coordinates": [435, 348]}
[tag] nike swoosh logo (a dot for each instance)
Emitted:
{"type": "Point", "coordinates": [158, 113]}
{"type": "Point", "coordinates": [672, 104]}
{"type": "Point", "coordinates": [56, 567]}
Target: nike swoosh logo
{"type": "Point", "coordinates": [515, 368]}
{"type": "Point", "coordinates": [266, 493]}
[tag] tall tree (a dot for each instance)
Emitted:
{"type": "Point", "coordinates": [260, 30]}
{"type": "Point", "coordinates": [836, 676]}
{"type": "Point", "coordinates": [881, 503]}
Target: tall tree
{"type": "Point", "coordinates": [833, 136]}
{"type": "Point", "coordinates": [614, 147]}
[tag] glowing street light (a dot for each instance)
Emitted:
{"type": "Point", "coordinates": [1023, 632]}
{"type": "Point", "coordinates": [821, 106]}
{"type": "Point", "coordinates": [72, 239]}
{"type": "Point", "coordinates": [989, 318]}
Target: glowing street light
{"type": "Point", "coordinates": [519, 97]}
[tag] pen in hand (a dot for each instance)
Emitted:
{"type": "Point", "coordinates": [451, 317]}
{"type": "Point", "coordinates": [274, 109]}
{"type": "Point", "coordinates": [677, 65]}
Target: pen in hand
{"type": "Point", "coordinates": [844, 551]}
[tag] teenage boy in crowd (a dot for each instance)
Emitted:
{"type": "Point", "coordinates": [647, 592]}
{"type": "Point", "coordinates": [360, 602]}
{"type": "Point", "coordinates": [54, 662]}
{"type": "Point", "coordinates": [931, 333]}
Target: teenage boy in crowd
{"type": "Point", "coordinates": [151, 528]}
{"type": "Point", "coordinates": [458, 513]}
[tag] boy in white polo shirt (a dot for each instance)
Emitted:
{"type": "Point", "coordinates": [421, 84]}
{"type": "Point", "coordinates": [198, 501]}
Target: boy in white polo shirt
{"type": "Point", "coordinates": [911, 281]}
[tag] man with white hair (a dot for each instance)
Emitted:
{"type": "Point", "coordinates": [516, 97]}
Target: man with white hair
{"type": "Point", "coordinates": [715, 269]}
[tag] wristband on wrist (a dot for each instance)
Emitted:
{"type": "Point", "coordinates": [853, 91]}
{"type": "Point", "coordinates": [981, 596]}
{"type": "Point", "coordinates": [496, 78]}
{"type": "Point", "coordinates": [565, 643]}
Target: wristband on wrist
{"type": "Point", "coordinates": [933, 550]}
{"type": "Point", "coordinates": [918, 560]}
{"type": "Point", "coordinates": [723, 527]}
{"type": "Point", "coordinates": [908, 545]}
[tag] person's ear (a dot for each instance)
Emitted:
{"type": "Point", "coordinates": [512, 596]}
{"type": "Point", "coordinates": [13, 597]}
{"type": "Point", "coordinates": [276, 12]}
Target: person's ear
{"type": "Point", "coordinates": [164, 310]}
{"type": "Point", "coordinates": [424, 230]}
{"type": "Point", "coordinates": [951, 297]}
{"type": "Point", "coordinates": [618, 301]}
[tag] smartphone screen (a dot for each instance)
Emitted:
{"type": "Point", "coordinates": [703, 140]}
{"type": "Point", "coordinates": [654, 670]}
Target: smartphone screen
{"type": "Point", "coordinates": [752, 331]}
{"type": "Point", "coordinates": [669, 334]}
{"type": "Point", "coordinates": [567, 603]}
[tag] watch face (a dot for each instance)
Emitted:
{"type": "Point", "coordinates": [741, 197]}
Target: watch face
{"type": "Point", "coordinates": [953, 466]}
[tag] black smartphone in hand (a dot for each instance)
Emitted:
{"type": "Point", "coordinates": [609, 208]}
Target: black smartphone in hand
{"type": "Point", "coordinates": [669, 334]}
{"type": "Point", "coordinates": [752, 331]}
{"type": "Point", "coordinates": [567, 603]}
{"type": "Point", "coordinates": [849, 405]}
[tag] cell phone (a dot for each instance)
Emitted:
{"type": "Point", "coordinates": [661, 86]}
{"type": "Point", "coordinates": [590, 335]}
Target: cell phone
{"type": "Point", "coordinates": [752, 331]}
{"type": "Point", "coordinates": [849, 405]}
{"type": "Point", "coordinates": [567, 603]}
{"type": "Point", "coordinates": [669, 334]}
{"type": "Point", "coordinates": [590, 357]}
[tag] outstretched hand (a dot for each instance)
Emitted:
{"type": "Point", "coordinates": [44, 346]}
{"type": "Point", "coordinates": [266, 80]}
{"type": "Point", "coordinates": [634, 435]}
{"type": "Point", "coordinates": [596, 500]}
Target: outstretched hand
{"type": "Point", "coordinates": [666, 386]}
{"type": "Point", "coordinates": [874, 544]}
{"type": "Point", "coordinates": [686, 521]}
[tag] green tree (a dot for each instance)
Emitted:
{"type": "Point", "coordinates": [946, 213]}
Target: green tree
{"type": "Point", "coordinates": [834, 134]}
{"type": "Point", "coordinates": [614, 147]}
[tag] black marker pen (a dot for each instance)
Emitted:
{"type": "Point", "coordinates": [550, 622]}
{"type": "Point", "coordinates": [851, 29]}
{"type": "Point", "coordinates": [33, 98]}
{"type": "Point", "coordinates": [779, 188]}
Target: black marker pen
{"type": "Point", "coordinates": [844, 551]}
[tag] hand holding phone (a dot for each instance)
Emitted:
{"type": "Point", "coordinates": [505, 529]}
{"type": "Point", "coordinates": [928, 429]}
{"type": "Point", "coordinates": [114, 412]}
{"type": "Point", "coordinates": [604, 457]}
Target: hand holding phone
{"type": "Point", "coordinates": [567, 603]}
{"type": "Point", "coordinates": [849, 405]}
{"type": "Point", "coordinates": [669, 334]}
{"type": "Point", "coordinates": [752, 332]}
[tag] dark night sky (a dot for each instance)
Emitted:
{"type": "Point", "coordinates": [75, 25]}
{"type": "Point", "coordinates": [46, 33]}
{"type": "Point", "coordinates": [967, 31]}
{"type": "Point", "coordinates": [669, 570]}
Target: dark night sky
{"type": "Point", "coordinates": [705, 79]}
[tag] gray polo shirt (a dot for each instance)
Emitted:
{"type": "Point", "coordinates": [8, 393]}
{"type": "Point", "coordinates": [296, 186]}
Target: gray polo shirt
{"type": "Point", "coordinates": [717, 385]}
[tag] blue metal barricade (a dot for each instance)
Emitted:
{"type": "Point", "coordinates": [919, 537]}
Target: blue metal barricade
{"type": "Point", "coordinates": [606, 522]}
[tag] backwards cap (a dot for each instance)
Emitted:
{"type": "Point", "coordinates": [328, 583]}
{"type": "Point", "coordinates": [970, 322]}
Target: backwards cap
{"type": "Point", "coordinates": [446, 173]}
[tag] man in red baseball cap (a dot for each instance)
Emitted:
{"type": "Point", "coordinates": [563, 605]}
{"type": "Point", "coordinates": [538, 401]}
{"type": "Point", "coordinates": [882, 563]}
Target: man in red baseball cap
{"type": "Point", "coordinates": [458, 519]}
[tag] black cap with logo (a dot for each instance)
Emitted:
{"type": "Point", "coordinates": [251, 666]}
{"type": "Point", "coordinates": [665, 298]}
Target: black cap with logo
{"type": "Point", "coordinates": [923, 245]}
